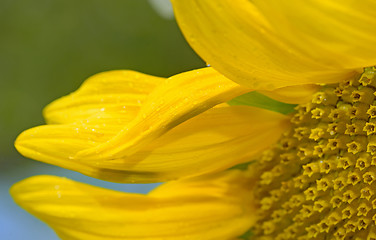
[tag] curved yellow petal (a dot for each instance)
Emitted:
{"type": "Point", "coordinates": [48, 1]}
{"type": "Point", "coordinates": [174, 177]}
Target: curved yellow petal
{"type": "Point", "coordinates": [338, 34]}
{"type": "Point", "coordinates": [120, 91]}
{"type": "Point", "coordinates": [272, 44]}
{"type": "Point", "coordinates": [298, 94]}
{"type": "Point", "coordinates": [212, 141]}
{"type": "Point", "coordinates": [176, 100]}
{"type": "Point", "coordinates": [212, 207]}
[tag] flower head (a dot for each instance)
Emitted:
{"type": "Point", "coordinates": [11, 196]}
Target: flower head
{"type": "Point", "coordinates": [318, 183]}
{"type": "Point", "coordinates": [314, 169]}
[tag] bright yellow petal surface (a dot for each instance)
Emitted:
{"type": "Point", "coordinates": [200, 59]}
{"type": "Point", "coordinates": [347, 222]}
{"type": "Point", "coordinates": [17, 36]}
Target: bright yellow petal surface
{"type": "Point", "coordinates": [298, 94]}
{"type": "Point", "coordinates": [272, 44]}
{"type": "Point", "coordinates": [215, 140]}
{"type": "Point", "coordinates": [163, 140]}
{"type": "Point", "coordinates": [212, 141]}
{"type": "Point", "coordinates": [211, 207]}
{"type": "Point", "coordinates": [176, 100]}
{"type": "Point", "coordinates": [119, 91]}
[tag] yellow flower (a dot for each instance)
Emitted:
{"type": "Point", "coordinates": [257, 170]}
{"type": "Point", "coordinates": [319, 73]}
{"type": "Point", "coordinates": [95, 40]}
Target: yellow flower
{"type": "Point", "coordinates": [314, 178]}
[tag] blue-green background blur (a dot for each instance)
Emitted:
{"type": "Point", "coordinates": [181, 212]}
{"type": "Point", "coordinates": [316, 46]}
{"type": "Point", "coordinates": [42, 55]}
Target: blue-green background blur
{"type": "Point", "coordinates": [47, 49]}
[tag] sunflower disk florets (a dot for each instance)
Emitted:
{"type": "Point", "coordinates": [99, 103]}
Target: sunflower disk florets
{"type": "Point", "coordinates": [319, 182]}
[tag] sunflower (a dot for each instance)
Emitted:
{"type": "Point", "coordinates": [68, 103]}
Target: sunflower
{"type": "Point", "coordinates": [313, 171]}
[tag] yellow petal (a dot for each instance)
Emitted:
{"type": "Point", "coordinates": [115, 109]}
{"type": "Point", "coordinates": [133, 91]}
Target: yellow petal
{"type": "Point", "coordinates": [338, 34]}
{"type": "Point", "coordinates": [119, 91]}
{"type": "Point", "coordinates": [212, 141]}
{"type": "Point", "coordinates": [176, 100]}
{"type": "Point", "coordinates": [130, 149]}
{"type": "Point", "coordinates": [212, 207]}
{"type": "Point", "coordinates": [298, 94]}
{"type": "Point", "coordinates": [273, 44]}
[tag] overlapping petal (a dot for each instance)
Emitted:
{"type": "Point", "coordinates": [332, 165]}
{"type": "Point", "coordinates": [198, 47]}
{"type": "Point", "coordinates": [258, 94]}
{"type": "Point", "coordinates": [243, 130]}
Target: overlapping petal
{"type": "Point", "coordinates": [211, 207]}
{"type": "Point", "coordinates": [176, 100]}
{"type": "Point", "coordinates": [164, 140]}
{"type": "Point", "coordinates": [212, 141]}
{"type": "Point", "coordinates": [272, 44]}
{"type": "Point", "coordinates": [293, 94]}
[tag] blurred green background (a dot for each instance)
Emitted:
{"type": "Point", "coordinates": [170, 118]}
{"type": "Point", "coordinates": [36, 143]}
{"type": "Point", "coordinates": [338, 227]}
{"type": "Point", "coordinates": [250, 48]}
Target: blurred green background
{"type": "Point", "coordinates": [47, 49]}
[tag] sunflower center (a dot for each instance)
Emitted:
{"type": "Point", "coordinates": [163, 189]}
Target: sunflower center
{"type": "Point", "coordinates": [319, 181]}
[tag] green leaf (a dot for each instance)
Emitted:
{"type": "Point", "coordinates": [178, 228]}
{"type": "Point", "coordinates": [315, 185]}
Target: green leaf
{"type": "Point", "coordinates": [256, 99]}
{"type": "Point", "coordinates": [247, 235]}
{"type": "Point", "coordinates": [243, 166]}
